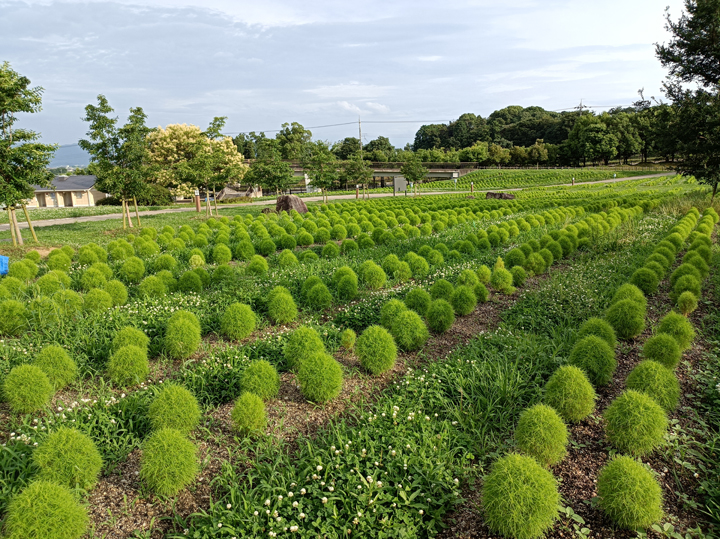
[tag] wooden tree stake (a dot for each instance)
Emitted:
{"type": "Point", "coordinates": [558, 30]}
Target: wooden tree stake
{"type": "Point", "coordinates": [137, 212]}
{"type": "Point", "coordinates": [29, 222]}
{"type": "Point", "coordinates": [12, 227]}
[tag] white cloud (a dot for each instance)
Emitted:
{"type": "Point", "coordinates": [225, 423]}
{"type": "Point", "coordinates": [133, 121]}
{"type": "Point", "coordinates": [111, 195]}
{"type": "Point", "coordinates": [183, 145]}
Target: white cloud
{"type": "Point", "coordinates": [350, 90]}
{"type": "Point", "coordinates": [350, 107]}
{"type": "Point", "coordinates": [377, 107]}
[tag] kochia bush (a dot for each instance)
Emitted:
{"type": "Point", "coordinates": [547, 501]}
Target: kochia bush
{"type": "Point", "coordinates": [27, 388]}
{"type": "Point", "coordinates": [261, 379]}
{"type": "Point", "coordinates": [182, 335]}
{"type": "Point", "coordinates": [541, 434]}
{"type": "Point", "coordinates": [600, 328]}
{"type": "Point", "coordinates": [176, 408]}
{"type": "Point", "coordinates": [595, 357]}
{"type": "Point", "coordinates": [69, 458]}
{"type": "Point", "coordinates": [418, 300]}
{"type": "Point", "coordinates": [440, 316]}
{"type": "Point", "coordinates": [320, 377]}
{"type": "Point", "coordinates": [570, 393]}
{"type": "Point", "coordinates": [635, 423]}
{"type": "Point", "coordinates": [376, 349]}
{"type": "Point", "coordinates": [57, 364]}
{"type": "Point", "coordinates": [128, 366]}
{"type": "Point", "coordinates": [679, 328]}
{"type": "Point", "coordinates": [627, 317]}
{"type": "Point", "coordinates": [248, 414]}
{"type": "Point", "coordinates": [409, 331]}
{"type": "Point", "coordinates": [238, 321]}
{"type": "Point", "coordinates": [303, 342]}
{"type": "Point", "coordinates": [659, 382]}
{"type": "Point", "coordinates": [169, 462]}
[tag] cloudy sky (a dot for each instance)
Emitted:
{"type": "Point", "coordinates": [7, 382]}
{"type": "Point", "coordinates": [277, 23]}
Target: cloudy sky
{"type": "Point", "coordinates": [324, 62]}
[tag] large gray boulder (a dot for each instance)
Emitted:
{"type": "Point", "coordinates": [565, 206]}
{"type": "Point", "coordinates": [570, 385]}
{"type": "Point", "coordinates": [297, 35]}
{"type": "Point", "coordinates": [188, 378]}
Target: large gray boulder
{"type": "Point", "coordinates": [290, 202]}
{"type": "Point", "coordinates": [502, 196]}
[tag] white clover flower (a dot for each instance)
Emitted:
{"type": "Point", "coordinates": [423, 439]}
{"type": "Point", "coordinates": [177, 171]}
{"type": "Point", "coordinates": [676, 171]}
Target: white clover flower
{"type": "Point", "coordinates": [324, 500]}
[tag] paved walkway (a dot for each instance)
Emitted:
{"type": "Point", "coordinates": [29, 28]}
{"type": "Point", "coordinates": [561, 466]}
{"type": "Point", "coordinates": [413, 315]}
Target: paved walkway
{"type": "Point", "coordinates": [106, 217]}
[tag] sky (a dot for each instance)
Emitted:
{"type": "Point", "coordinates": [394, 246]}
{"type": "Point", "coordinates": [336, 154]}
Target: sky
{"type": "Point", "coordinates": [323, 62]}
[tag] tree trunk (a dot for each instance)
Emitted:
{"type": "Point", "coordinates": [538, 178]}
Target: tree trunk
{"type": "Point", "coordinates": [127, 208]}
{"type": "Point", "coordinates": [217, 213]}
{"type": "Point", "coordinates": [137, 213]}
{"type": "Point", "coordinates": [123, 212]}
{"type": "Point", "coordinates": [12, 228]}
{"type": "Point", "coordinates": [17, 228]}
{"type": "Point", "coordinates": [715, 187]}
{"type": "Point", "coordinates": [208, 212]}
{"type": "Point", "coordinates": [29, 222]}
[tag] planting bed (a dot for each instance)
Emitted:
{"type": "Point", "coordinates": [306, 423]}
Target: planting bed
{"type": "Point", "coordinates": [360, 370]}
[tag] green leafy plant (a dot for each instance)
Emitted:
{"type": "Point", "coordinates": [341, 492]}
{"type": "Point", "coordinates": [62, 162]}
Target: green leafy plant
{"type": "Point", "coordinates": [440, 316]}
{"type": "Point", "coordinates": [651, 378]}
{"type": "Point", "coordinates": [519, 275]}
{"type": "Point", "coordinates": [442, 289]}
{"type": "Point", "coordinates": [303, 342]}
{"type": "Point", "coordinates": [679, 328]}
{"type": "Point", "coordinates": [372, 275]}
{"type": "Point", "coordinates": [418, 300]}
{"type": "Point", "coordinates": [57, 364]}
{"type": "Point", "coordinates": [664, 349]}
{"type": "Point", "coordinates": [390, 311]}
{"type": "Point", "coordinates": [646, 280]}
{"type": "Point", "coordinates": [69, 458]}
{"type": "Point", "coordinates": [541, 434]}
{"type": "Point", "coordinates": [409, 330]}
{"type": "Point", "coordinates": [635, 423]}
{"type": "Point", "coordinates": [152, 287]}
{"type": "Point", "coordinates": [130, 336]}
{"type": "Point", "coordinates": [600, 328]}
{"type": "Point", "coordinates": [27, 388]}
{"type": "Point", "coordinates": [629, 292]}
{"type": "Point", "coordinates": [519, 498]}
{"type": "Point", "coordinates": [463, 300]}
{"type": "Point", "coordinates": [282, 308]}
{"type": "Point", "coordinates": [376, 350]}
{"type": "Point", "coordinates": [570, 393]}
{"type": "Point", "coordinates": [13, 317]}
{"type": "Point", "coordinates": [118, 292]}
{"type": "Point", "coordinates": [629, 494]}
{"type": "Point", "coordinates": [169, 462]}
{"type": "Point", "coordinates": [46, 510]}
{"type": "Point", "coordinates": [97, 300]}
{"type": "Point", "coordinates": [248, 413]}
{"type": "Point", "coordinates": [320, 377]}
{"type": "Point", "coordinates": [174, 407]}
{"type": "Point", "coordinates": [132, 270]}
{"type": "Point", "coordinates": [128, 365]}
{"type": "Point", "coordinates": [238, 321]}
{"type": "Point", "coordinates": [257, 265]}
{"type": "Point", "coordinates": [595, 357]}
{"type": "Point", "coordinates": [687, 302]}
{"type": "Point", "coordinates": [182, 335]}
{"type": "Point", "coordinates": [261, 379]}
{"type": "Point", "coordinates": [501, 279]}
{"type": "Point", "coordinates": [347, 339]}
{"type": "Point", "coordinates": [627, 318]}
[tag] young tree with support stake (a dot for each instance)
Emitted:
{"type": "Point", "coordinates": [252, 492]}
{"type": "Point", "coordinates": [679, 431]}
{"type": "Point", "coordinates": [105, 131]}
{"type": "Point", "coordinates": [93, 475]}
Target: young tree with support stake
{"type": "Point", "coordinates": [356, 171]}
{"type": "Point", "coordinates": [414, 171]}
{"type": "Point", "coordinates": [321, 166]}
{"type": "Point", "coordinates": [23, 160]}
{"type": "Point", "coordinates": [119, 157]}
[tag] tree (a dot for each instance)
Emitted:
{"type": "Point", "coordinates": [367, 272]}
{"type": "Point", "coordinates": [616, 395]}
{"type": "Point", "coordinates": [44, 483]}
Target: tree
{"type": "Point", "coordinates": [693, 56]}
{"type": "Point", "coordinates": [477, 153]}
{"type": "Point", "coordinates": [23, 160]}
{"type": "Point", "coordinates": [497, 155]}
{"type": "Point", "coordinates": [269, 171]}
{"type": "Point", "coordinates": [538, 152]}
{"type": "Point", "coordinates": [321, 166]}
{"type": "Point", "coordinates": [590, 139]}
{"type": "Point", "coordinates": [346, 148]}
{"type": "Point", "coordinates": [625, 132]}
{"type": "Point", "coordinates": [292, 140]}
{"type": "Point", "coordinates": [119, 157]}
{"type": "Point", "coordinates": [414, 171]}
{"type": "Point", "coordinates": [355, 171]}
{"type": "Point", "coordinates": [380, 144]}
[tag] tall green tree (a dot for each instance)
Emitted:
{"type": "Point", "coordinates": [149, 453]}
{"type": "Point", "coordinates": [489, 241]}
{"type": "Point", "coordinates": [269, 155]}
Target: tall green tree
{"type": "Point", "coordinates": [693, 57]}
{"type": "Point", "coordinates": [414, 171]}
{"type": "Point", "coordinates": [292, 139]}
{"type": "Point", "coordinates": [538, 152]}
{"type": "Point", "coordinates": [119, 156]}
{"type": "Point", "coordinates": [23, 160]}
{"type": "Point", "coordinates": [356, 171]}
{"type": "Point", "coordinates": [269, 171]}
{"type": "Point", "coordinates": [321, 166]}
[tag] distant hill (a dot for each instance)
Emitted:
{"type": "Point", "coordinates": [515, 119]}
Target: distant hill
{"type": "Point", "coordinates": [70, 155]}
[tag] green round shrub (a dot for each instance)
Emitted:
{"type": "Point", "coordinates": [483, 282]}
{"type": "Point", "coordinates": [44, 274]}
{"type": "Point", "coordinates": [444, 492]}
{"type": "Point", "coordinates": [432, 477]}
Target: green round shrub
{"type": "Point", "coordinates": [19, 270]}
{"type": "Point", "coordinates": [442, 289]}
{"type": "Point", "coordinates": [595, 357]}
{"type": "Point", "coordinates": [635, 423]}
{"type": "Point", "coordinates": [97, 300]}
{"type": "Point", "coordinates": [128, 366]}
{"type": "Point", "coordinates": [47, 285]}
{"type": "Point", "coordinates": [69, 458]}
{"type": "Point", "coordinates": [132, 269]}
{"type": "Point", "coordinates": [27, 388]}
{"type": "Point", "coordinates": [664, 349]}
{"type": "Point", "coordinates": [347, 339]}
{"type": "Point", "coordinates": [14, 286]}
{"type": "Point", "coordinates": [45, 510]}
{"type": "Point", "coordinates": [687, 302]}
{"type": "Point", "coordinates": [304, 341]}
{"type": "Point", "coordinates": [501, 279]}
{"type": "Point", "coordinates": [629, 494]}
{"type": "Point", "coordinates": [514, 257]}
{"type": "Point", "coordinates": [409, 330]}
{"type": "Point", "coordinates": [390, 311]}
{"type": "Point", "coordinates": [440, 316]}
{"type": "Point", "coordinates": [92, 278]}
{"type": "Point", "coordinates": [320, 377]}
{"type": "Point", "coordinates": [330, 250]}
{"type": "Point", "coordinates": [282, 309]}
{"type": "Point", "coordinates": [164, 262]}
{"type": "Point", "coordinates": [174, 407]}
{"type": "Point", "coordinates": [570, 393]}
{"type": "Point", "coordinates": [535, 264]}
{"type": "Point", "coordinates": [659, 382]}
{"type": "Point", "coordinates": [467, 277]}
{"type": "Point", "coordinates": [59, 367]}
{"type": "Point", "coordinates": [266, 247]}
{"type": "Point", "coordinates": [238, 321]}
{"type": "Point", "coordinates": [319, 297]}
{"type": "Point", "coordinates": [519, 275]}
{"type": "Point", "coordinates": [169, 462]}
{"type": "Point", "coordinates": [69, 303]}
{"type": "Point", "coordinates": [182, 335]}
{"type": "Point", "coordinates": [347, 288]}
{"type": "Point", "coordinates": [463, 300]}
{"type": "Point", "coordinates": [686, 283]}
{"type": "Point", "coordinates": [372, 275]}
{"type": "Point", "coordinates": [678, 327]}
{"type": "Point", "coordinates": [287, 259]}
{"type": "Point", "coordinates": [600, 328]}
{"type": "Point", "coordinates": [118, 292]}
{"type": "Point", "coordinates": [261, 379]}
{"type": "Point", "coordinates": [257, 265]}
{"type": "Point", "coordinates": [541, 434]}
{"type": "Point", "coordinates": [627, 318]}
{"type": "Point", "coordinates": [248, 413]}
{"type": "Point", "coordinates": [152, 287]}
{"type": "Point", "coordinates": [656, 268]}
{"type": "Point", "coordinates": [646, 280]}
{"type": "Point", "coordinates": [376, 349]}
{"type": "Point", "coordinates": [130, 336]}
{"type": "Point", "coordinates": [221, 254]}
{"type": "Point", "coordinates": [631, 292]}
{"type": "Point", "coordinates": [190, 281]}
{"type": "Point", "coordinates": [683, 270]}
{"type": "Point", "coordinates": [418, 300]}
{"type": "Point", "coordinates": [13, 317]}
{"type": "Point", "coordinates": [520, 498]}
{"type": "Point", "coordinates": [484, 274]}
